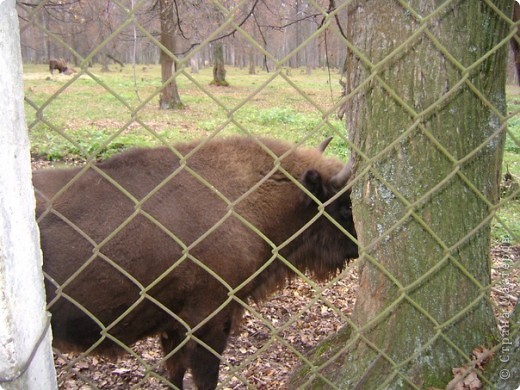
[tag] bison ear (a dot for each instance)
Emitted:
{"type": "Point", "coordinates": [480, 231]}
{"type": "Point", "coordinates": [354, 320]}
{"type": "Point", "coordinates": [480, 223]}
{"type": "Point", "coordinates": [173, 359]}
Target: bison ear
{"type": "Point", "coordinates": [312, 180]}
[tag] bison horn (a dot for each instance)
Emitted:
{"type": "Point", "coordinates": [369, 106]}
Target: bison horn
{"type": "Point", "coordinates": [339, 180]}
{"type": "Point", "coordinates": [324, 144]}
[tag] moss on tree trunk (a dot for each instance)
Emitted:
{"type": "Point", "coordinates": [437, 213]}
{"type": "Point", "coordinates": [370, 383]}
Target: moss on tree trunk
{"type": "Point", "coordinates": [427, 168]}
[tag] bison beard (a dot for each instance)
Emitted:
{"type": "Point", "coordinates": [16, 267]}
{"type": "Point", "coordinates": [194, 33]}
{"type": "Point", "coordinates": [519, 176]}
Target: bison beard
{"type": "Point", "coordinates": [134, 261]}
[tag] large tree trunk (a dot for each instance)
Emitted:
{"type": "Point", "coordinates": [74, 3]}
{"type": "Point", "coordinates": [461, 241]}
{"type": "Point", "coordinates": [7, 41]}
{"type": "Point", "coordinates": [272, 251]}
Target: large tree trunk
{"type": "Point", "coordinates": [170, 98]}
{"type": "Point", "coordinates": [427, 168]}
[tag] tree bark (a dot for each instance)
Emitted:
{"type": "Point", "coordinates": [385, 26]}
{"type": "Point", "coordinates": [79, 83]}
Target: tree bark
{"type": "Point", "coordinates": [504, 370]}
{"type": "Point", "coordinates": [219, 68]}
{"type": "Point", "coordinates": [252, 59]}
{"type": "Point", "coordinates": [194, 63]}
{"type": "Point", "coordinates": [298, 39]}
{"type": "Point", "coordinates": [170, 98]}
{"type": "Point", "coordinates": [252, 62]}
{"type": "Point", "coordinates": [427, 166]}
{"type": "Point", "coordinates": [104, 63]}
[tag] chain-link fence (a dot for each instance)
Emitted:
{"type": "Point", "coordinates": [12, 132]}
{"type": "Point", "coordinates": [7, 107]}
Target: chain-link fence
{"type": "Point", "coordinates": [173, 248]}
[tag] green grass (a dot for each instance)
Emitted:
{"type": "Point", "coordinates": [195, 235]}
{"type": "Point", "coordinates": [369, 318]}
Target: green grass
{"type": "Point", "coordinates": [506, 227]}
{"type": "Point", "coordinates": [99, 115]}
{"type": "Point", "coordinates": [81, 117]}
{"type": "Point", "coordinates": [512, 145]}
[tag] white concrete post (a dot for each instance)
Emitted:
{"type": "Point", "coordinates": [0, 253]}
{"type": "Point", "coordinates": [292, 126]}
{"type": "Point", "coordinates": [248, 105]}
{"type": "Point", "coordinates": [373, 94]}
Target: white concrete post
{"type": "Point", "coordinates": [25, 352]}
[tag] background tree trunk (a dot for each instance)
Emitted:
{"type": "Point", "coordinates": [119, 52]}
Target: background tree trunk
{"type": "Point", "coordinates": [219, 68]}
{"type": "Point", "coordinates": [252, 60]}
{"type": "Point", "coordinates": [104, 63]}
{"type": "Point", "coordinates": [515, 42]}
{"type": "Point", "coordinates": [194, 63]}
{"type": "Point", "coordinates": [428, 163]}
{"type": "Point", "coordinates": [170, 98]}
{"type": "Point", "coordinates": [298, 38]}
{"type": "Point", "coordinates": [44, 41]}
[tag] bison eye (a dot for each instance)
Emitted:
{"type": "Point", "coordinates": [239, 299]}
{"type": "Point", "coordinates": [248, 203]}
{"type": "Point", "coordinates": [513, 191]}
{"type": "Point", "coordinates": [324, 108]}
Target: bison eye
{"type": "Point", "coordinates": [345, 212]}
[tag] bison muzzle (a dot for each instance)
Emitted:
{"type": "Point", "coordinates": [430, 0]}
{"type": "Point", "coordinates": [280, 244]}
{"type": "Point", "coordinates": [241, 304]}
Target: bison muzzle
{"type": "Point", "coordinates": [173, 241]}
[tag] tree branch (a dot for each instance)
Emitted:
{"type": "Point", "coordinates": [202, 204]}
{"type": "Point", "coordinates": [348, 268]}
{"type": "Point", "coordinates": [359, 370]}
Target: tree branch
{"type": "Point", "coordinates": [251, 12]}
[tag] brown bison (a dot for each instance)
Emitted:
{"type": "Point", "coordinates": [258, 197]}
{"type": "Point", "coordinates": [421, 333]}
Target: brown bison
{"type": "Point", "coordinates": [195, 233]}
{"type": "Point", "coordinates": [60, 65]}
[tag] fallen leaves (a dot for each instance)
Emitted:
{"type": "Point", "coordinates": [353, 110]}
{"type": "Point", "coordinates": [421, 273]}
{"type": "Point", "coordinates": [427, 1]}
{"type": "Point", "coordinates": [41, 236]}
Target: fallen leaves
{"type": "Point", "coordinates": [267, 347]}
{"type": "Point", "coordinates": [464, 380]}
{"type": "Point", "coordinates": [466, 377]}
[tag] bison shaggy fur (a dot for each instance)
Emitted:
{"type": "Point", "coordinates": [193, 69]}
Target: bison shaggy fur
{"type": "Point", "coordinates": [198, 229]}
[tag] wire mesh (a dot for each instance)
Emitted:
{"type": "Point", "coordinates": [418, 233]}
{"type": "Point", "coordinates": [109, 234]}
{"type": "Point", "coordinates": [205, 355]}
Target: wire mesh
{"type": "Point", "coordinates": [280, 328]}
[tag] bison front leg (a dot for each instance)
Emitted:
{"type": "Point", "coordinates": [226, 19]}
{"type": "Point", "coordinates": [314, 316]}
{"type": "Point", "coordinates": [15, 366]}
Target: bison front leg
{"type": "Point", "coordinates": [202, 357]}
{"type": "Point", "coordinates": [205, 357]}
{"type": "Point", "coordinates": [205, 366]}
{"type": "Point", "coordinates": [178, 363]}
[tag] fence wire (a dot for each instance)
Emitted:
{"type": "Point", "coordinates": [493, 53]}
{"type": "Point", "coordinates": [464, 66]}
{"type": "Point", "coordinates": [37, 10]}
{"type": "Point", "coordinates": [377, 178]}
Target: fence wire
{"type": "Point", "coordinates": [279, 327]}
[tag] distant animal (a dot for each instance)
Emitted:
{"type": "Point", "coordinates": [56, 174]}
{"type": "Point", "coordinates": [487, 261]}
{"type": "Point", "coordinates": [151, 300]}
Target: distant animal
{"type": "Point", "coordinates": [60, 65]}
{"type": "Point", "coordinates": [195, 233]}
